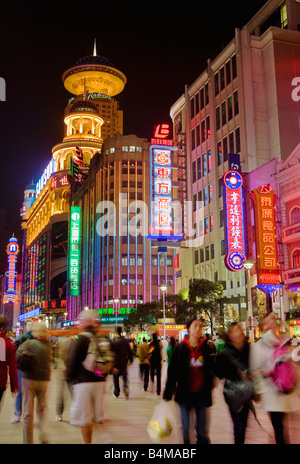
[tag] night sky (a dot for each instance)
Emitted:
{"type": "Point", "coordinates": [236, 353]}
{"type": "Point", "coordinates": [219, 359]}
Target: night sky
{"type": "Point", "coordinates": [159, 46]}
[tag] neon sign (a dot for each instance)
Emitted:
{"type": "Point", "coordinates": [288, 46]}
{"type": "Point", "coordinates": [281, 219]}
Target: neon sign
{"type": "Point", "coordinates": [234, 211]}
{"type": "Point", "coordinates": [74, 251]}
{"type": "Point", "coordinates": [50, 169]}
{"type": "Point", "coordinates": [264, 199]}
{"type": "Point", "coordinates": [162, 131]}
{"type": "Point", "coordinates": [10, 296]}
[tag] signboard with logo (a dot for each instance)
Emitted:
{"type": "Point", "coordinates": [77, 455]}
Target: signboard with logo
{"type": "Point", "coordinates": [74, 251]}
{"type": "Point", "coordinates": [234, 211]}
{"type": "Point", "coordinates": [10, 296]}
{"type": "Point", "coordinates": [264, 199]}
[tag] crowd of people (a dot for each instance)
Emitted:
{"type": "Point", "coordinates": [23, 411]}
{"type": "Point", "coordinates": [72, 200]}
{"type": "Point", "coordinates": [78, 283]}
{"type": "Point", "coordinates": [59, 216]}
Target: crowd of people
{"type": "Point", "coordinates": [247, 370]}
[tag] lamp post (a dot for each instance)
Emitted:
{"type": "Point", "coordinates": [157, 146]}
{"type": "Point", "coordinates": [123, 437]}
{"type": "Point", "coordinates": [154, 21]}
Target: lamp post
{"type": "Point", "coordinates": [116, 300]}
{"type": "Point", "coordinates": [248, 264]}
{"type": "Point", "coordinates": [163, 289]}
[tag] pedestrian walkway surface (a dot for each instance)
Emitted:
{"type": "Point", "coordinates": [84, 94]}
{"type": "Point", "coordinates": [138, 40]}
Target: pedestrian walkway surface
{"type": "Point", "coordinates": [126, 420]}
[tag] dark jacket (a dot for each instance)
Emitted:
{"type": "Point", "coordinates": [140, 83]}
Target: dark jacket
{"type": "Point", "coordinates": [40, 352]}
{"type": "Point", "coordinates": [77, 353]}
{"type": "Point", "coordinates": [8, 363]}
{"type": "Point", "coordinates": [178, 377]}
{"type": "Point", "coordinates": [154, 354]}
{"type": "Point", "coordinates": [231, 360]}
{"type": "Point", "coordinates": [123, 354]}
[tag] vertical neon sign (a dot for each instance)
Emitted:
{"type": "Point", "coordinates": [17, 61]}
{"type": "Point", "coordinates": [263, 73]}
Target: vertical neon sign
{"type": "Point", "coordinates": [74, 251]}
{"type": "Point", "coordinates": [161, 187]}
{"type": "Point", "coordinates": [12, 250]}
{"type": "Point", "coordinates": [234, 211]}
{"type": "Point", "coordinates": [264, 199]}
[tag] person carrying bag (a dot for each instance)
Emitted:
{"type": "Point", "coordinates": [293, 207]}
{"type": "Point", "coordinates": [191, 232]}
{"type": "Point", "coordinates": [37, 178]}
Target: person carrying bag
{"type": "Point", "coordinates": [233, 366]}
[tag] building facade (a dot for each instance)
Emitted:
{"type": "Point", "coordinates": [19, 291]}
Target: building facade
{"type": "Point", "coordinates": [241, 104]}
{"type": "Point", "coordinates": [46, 209]}
{"type": "Point", "coordinates": [120, 267]}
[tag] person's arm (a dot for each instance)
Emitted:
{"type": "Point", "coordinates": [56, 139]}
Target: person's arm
{"type": "Point", "coordinates": [12, 366]}
{"type": "Point", "coordinates": [172, 375]}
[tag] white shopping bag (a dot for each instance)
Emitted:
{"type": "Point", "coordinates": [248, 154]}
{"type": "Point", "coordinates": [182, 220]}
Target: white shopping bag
{"type": "Point", "coordinates": [163, 422]}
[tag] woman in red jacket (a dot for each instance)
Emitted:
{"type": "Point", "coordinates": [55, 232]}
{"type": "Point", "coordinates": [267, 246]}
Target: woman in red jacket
{"type": "Point", "coordinates": [7, 360]}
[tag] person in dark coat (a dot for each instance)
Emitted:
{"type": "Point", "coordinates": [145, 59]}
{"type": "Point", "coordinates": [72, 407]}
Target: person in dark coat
{"type": "Point", "coordinates": [155, 359]}
{"type": "Point", "coordinates": [190, 375]}
{"type": "Point", "coordinates": [233, 363]}
{"type": "Point", "coordinates": [123, 355]}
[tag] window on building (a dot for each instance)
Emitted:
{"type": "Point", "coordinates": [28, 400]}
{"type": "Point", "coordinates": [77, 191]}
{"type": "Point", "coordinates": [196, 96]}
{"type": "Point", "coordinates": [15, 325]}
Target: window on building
{"type": "Point", "coordinates": [231, 143]}
{"type": "Point", "coordinates": [194, 172]}
{"type": "Point", "coordinates": [217, 88]}
{"type": "Point", "coordinates": [207, 127]}
{"type": "Point", "coordinates": [193, 139]}
{"type": "Point", "coordinates": [124, 148]}
{"type": "Point", "coordinates": [237, 140]}
{"type": "Point", "coordinates": [211, 221]}
{"type": "Point", "coordinates": [234, 67]}
{"type": "Point", "coordinates": [229, 107]}
{"type": "Point", "coordinates": [295, 215]}
{"type": "Point", "coordinates": [219, 153]}
{"type": "Point", "coordinates": [218, 118]}
{"type": "Point", "coordinates": [202, 99]}
{"type": "Point", "coordinates": [196, 257]}
{"type": "Point", "coordinates": [296, 259]}
{"type": "Point", "coordinates": [221, 187]}
{"type": "Point", "coordinates": [212, 251]}
{"type": "Point", "coordinates": [225, 149]}
{"type": "Point", "coordinates": [205, 196]}
{"type": "Point", "coordinates": [221, 218]}
{"type": "Point", "coordinates": [206, 94]}
{"type": "Point", "coordinates": [204, 164]}
{"type": "Point", "coordinates": [192, 108]}
{"type": "Point", "coordinates": [228, 73]}
{"type": "Point", "coordinates": [199, 169]}
{"type": "Point", "coordinates": [207, 253]}
{"type": "Point", "coordinates": [209, 160]}
{"type": "Point", "coordinates": [124, 279]}
{"type": "Point", "coordinates": [203, 131]}
{"type": "Point", "coordinates": [283, 16]}
{"type": "Point", "coordinates": [236, 103]}
{"type": "Point", "coordinates": [206, 225]}
{"type": "Point", "coordinates": [223, 113]}
{"type": "Point", "coordinates": [124, 260]}
{"type": "Point", "coordinates": [198, 141]}
{"type": "Point", "coordinates": [222, 78]}
{"type": "Point", "coordinates": [197, 103]}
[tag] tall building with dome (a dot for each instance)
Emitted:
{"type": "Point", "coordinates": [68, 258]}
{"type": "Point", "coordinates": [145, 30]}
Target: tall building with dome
{"type": "Point", "coordinates": [91, 115]}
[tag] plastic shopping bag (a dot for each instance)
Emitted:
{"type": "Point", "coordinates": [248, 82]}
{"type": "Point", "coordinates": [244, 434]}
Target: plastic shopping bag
{"type": "Point", "coordinates": [161, 423]}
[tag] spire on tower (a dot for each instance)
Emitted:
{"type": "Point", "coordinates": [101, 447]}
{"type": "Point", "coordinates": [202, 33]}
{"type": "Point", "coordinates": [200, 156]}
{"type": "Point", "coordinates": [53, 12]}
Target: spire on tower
{"type": "Point", "coordinates": [95, 49]}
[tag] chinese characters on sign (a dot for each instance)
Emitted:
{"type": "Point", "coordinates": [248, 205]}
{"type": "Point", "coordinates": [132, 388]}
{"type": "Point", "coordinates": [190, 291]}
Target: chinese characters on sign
{"type": "Point", "coordinates": [10, 296]}
{"type": "Point", "coordinates": [59, 181]}
{"type": "Point", "coordinates": [235, 237]}
{"type": "Point", "coordinates": [264, 199]}
{"type": "Point", "coordinates": [74, 253]}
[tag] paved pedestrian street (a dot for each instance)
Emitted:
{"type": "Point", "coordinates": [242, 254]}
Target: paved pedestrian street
{"type": "Point", "coordinates": [126, 420]}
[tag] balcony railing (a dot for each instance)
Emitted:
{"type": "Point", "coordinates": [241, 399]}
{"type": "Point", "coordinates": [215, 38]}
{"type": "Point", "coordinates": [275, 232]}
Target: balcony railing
{"type": "Point", "coordinates": [292, 276]}
{"type": "Point", "coordinates": [291, 233]}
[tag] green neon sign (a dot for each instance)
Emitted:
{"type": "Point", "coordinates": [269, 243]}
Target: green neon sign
{"type": "Point", "coordinates": [74, 251]}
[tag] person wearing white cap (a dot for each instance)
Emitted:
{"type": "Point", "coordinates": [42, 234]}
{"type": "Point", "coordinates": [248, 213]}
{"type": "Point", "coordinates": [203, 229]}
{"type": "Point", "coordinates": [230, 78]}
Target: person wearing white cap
{"type": "Point", "coordinates": [87, 369]}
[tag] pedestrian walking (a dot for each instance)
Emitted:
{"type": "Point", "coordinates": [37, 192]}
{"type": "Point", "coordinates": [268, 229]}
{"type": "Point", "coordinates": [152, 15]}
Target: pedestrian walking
{"type": "Point", "coordinates": [170, 349]}
{"type": "Point", "coordinates": [277, 403]}
{"type": "Point", "coordinates": [86, 369]}
{"type": "Point", "coordinates": [34, 359]}
{"type": "Point", "coordinates": [155, 358]}
{"type": "Point", "coordinates": [123, 356]}
{"type": "Point", "coordinates": [16, 416]}
{"type": "Point", "coordinates": [8, 362]}
{"type": "Point", "coordinates": [63, 383]}
{"type": "Point", "coordinates": [142, 353]}
{"type": "Point", "coordinates": [233, 366]}
{"type": "Point", "coordinates": [189, 377]}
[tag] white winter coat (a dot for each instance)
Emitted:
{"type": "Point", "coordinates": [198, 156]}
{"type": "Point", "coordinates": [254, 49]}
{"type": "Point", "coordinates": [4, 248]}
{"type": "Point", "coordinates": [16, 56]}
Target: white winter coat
{"type": "Point", "coordinates": [261, 355]}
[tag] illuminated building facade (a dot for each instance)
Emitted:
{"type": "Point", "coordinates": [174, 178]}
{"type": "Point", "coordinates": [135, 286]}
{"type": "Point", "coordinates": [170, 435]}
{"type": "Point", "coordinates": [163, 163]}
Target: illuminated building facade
{"type": "Point", "coordinates": [118, 260]}
{"type": "Point", "coordinates": [241, 104]}
{"type": "Point", "coordinates": [46, 209]}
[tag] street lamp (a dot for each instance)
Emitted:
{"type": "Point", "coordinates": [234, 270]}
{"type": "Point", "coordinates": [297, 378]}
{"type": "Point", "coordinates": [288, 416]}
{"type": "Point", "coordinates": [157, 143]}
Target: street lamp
{"type": "Point", "coordinates": [116, 300]}
{"type": "Point", "coordinates": [164, 289]}
{"type": "Point", "coordinates": [248, 265]}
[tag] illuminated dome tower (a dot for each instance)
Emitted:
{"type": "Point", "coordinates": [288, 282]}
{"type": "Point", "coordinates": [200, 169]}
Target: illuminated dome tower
{"type": "Point", "coordinates": [92, 114]}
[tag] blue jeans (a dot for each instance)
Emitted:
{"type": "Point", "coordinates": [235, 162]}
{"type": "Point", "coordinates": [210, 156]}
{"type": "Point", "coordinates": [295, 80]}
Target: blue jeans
{"type": "Point", "coordinates": [201, 432]}
{"type": "Point", "coordinates": [18, 403]}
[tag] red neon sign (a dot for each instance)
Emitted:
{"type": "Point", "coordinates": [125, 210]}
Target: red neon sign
{"type": "Point", "coordinates": [264, 199]}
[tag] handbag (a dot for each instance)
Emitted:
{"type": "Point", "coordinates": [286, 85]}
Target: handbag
{"type": "Point", "coordinates": [240, 391]}
{"type": "Point", "coordinates": [237, 393]}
